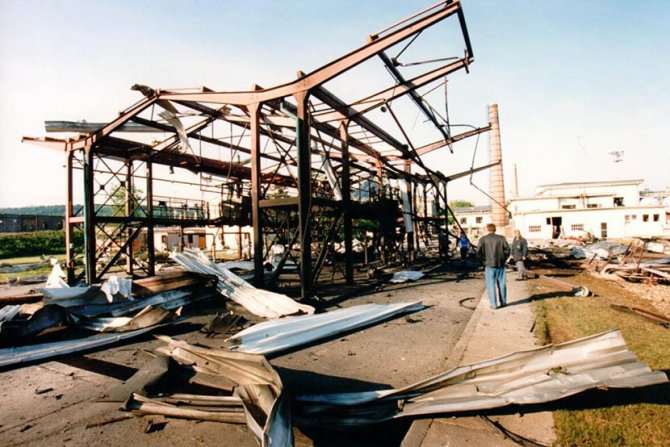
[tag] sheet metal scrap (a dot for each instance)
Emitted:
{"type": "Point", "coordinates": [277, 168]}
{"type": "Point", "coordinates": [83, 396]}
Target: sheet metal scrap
{"type": "Point", "coordinates": [26, 354]}
{"type": "Point", "coordinates": [260, 302]}
{"type": "Point", "coordinates": [651, 316]}
{"type": "Point", "coordinates": [405, 276]}
{"type": "Point", "coordinates": [285, 333]}
{"type": "Point", "coordinates": [147, 317]}
{"type": "Point", "coordinates": [8, 313]}
{"type": "Point", "coordinates": [657, 270]}
{"type": "Point", "coordinates": [528, 377]}
{"type": "Point", "coordinates": [257, 387]}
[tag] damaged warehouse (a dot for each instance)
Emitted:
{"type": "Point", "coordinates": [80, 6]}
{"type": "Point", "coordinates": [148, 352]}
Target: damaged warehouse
{"type": "Point", "coordinates": [303, 291]}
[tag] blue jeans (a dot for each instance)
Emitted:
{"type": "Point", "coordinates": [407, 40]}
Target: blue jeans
{"type": "Point", "coordinates": [495, 279]}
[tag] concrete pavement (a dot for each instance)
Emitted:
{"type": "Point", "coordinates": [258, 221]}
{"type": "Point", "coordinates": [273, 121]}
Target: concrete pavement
{"type": "Point", "coordinates": [490, 333]}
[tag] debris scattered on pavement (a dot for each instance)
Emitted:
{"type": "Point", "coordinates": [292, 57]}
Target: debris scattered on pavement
{"type": "Point", "coordinates": [260, 302]}
{"type": "Point", "coordinates": [406, 276]}
{"type": "Point", "coordinates": [527, 377]}
{"type": "Point", "coordinates": [278, 335]}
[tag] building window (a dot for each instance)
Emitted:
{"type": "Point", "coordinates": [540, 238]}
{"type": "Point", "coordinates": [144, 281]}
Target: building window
{"type": "Point", "coordinates": [534, 228]}
{"type": "Point", "coordinates": [633, 217]}
{"type": "Point", "coordinates": [657, 217]}
{"type": "Point", "coordinates": [464, 220]}
{"type": "Point", "coordinates": [618, 201]}
{"type": "Point", "coordinates": [479, 219]}
{"type": "Point", "coordinates": [568, 207]}
{"type": "Point", "coordinates": [645, 218]}
{"type": "Point", "coordinates": [548, 220]}
{"type": "Point", "coordinates": [189, 238]}
{"type": "Point", "coordinates": [626, 218]}
{"type": "Point", "coordinates": [577, 227]}
{"type": "Point", "coordinates": [592, 205]}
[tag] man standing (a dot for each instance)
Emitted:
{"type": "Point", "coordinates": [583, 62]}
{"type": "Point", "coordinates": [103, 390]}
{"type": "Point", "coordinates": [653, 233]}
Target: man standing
{"type": "Point", "coordinates": [519, 252]}
{"type": "Point", "coordinates": [494, 250]}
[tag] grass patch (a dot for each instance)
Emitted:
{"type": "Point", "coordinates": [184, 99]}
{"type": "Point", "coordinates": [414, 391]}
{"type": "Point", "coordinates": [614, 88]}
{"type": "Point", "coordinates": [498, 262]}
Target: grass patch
{"type": "Point", "coordinates": [6, 277]}
{"type": "Point", "coordinates": [637, 417]}
{"type": "Point", "coordinates": [32, 259]}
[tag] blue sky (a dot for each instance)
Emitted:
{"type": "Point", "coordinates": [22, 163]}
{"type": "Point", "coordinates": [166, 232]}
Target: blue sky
{"type": "Point", "coordinates": [574, 80]}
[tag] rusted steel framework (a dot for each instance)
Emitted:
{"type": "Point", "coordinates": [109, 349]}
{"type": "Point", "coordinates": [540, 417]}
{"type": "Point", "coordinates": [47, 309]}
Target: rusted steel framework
{"type": "Point", "coordinates": [303, 166]}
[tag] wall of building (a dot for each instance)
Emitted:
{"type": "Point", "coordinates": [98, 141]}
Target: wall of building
{"type": "Point", "coordinates": [628, 191]}
{"type": "Point", "coordinates": [619, 222]}
{"type": "Point", "coordinates": [205, 238]}
{"type": "Point", "coordinates": [20, 223]}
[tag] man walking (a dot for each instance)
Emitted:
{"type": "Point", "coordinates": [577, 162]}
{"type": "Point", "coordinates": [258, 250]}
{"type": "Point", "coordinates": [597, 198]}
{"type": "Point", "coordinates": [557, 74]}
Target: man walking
{"type": "Point", "coordinates": [494, 250]}
{"type": "Point", "coordinates": [519, 253]}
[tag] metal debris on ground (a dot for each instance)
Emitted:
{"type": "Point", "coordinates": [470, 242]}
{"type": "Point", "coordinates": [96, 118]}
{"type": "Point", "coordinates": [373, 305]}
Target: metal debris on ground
{"type": "Point", "coordinates": [260, 302]}
{"type": "Point", "coordinates": [405, 276]}
{"type": "Point", "coordinates": [279, 335]}
{"type": "Point", "coordinates": [89, 308]}
{"type": "Point", "coordinates": [224, 323]}
{"type": "Point", "coordinates": [31, 353]}
{"type": "Point", "coordinates": [656, 318]}
{"type": "Point", "coordinates": [578, 291]}
{"type": "Point", "coordinates": [602, 250]}
{"type": "Point", "coordinates": [258, 390]}
{"type": "Point", "coordinates": [657, 270]}
{"type": "Point", "coordinates": [6, 267]}
{"type": "Point", "coordinates": [527, 377]}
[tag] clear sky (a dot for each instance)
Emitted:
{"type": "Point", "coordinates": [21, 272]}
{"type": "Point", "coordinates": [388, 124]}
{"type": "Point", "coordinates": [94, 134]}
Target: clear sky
{"type": "Point", "coordinates": [574, 79]}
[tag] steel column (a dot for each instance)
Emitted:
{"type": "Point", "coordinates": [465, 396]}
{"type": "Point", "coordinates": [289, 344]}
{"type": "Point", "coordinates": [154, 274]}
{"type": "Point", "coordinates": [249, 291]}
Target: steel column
{"type": "Point", "coordinates": [69, 226]}
{"type": "Point", "coordinates": [410, 200]}
{"type": "Point", "coordinates": [150, 218]}
{"type": "Point", "coordinates": [89, 217]}
{"type": "Point", "coordinates": [346, 204]}
{"type": "Point", "coordinates": [254, 112]}
{"type": "Point", "coordinates": [446, 219]}
{"type": "Point", "coordinates": [304, 191]}
{"type": "Point", "coordinates": [129, 210]}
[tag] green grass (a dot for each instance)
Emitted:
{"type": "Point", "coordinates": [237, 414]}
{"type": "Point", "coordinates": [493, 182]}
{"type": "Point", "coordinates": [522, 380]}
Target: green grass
{"type": "Point", "coordinates": [43, 270]}
{"type": "Point", "coordinates": [6, 277]}
{"type": "Point", "coordinates": [32, 259]}
{"type": "Point", "coordinates": [637, 417]}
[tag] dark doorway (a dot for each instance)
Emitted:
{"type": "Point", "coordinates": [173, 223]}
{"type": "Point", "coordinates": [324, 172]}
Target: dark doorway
{"type": "Point", "coordinates": [556, 223]}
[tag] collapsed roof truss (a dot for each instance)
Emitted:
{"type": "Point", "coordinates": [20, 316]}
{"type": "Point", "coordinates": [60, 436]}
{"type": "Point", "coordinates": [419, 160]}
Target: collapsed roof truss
{"type": "Point", "coordinates": [299, 136]}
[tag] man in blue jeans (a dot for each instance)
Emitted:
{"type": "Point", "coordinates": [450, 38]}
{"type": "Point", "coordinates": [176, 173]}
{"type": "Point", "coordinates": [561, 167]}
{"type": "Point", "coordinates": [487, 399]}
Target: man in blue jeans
{"type": "Point", "coordinates": [494, 250]}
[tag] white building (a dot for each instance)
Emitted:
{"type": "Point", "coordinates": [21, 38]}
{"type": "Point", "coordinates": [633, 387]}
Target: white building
{"type": "Point", "coordinates": [473, 219]}
{"type": "Point", "coordinates": [609, 209]}
{"type": "Point", "coordinates": [228, 238]}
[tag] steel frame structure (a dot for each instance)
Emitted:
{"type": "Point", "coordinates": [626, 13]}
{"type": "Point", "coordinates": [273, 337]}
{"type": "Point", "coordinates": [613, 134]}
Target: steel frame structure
{"type": "Point", "coordinates": [316, 164]}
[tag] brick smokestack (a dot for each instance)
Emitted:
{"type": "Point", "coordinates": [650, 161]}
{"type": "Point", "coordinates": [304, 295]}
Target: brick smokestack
{"type": "Point", "coordinates": [498, 213]}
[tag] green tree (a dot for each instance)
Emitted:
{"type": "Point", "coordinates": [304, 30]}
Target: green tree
{"type": "Point", "coordinates": [118, 201]}
{"type": "Point", "coordinates": [460, 204]}
{"type": "Point", "coordinates": [457, 204]}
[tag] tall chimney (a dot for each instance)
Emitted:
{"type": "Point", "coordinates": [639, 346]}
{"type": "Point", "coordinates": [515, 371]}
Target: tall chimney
{"type": "Point", "coordinates": [498, 212]}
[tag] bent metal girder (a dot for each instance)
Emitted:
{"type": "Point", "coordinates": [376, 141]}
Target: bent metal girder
{"type": "Point", "coordinates": [303, 141]}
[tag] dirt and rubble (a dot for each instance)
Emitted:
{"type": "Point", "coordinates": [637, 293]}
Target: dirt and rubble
{"type": "Point", "coordinates": [391, 354]}
{"type": "Point", "coordinates": [58, 402]}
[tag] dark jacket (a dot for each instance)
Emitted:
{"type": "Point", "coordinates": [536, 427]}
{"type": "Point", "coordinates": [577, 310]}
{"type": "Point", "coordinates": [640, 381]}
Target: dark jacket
{"type": "Point", "coordinates": [519, 248]}
{"type": "Point", "coordinates": [493, 250]}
